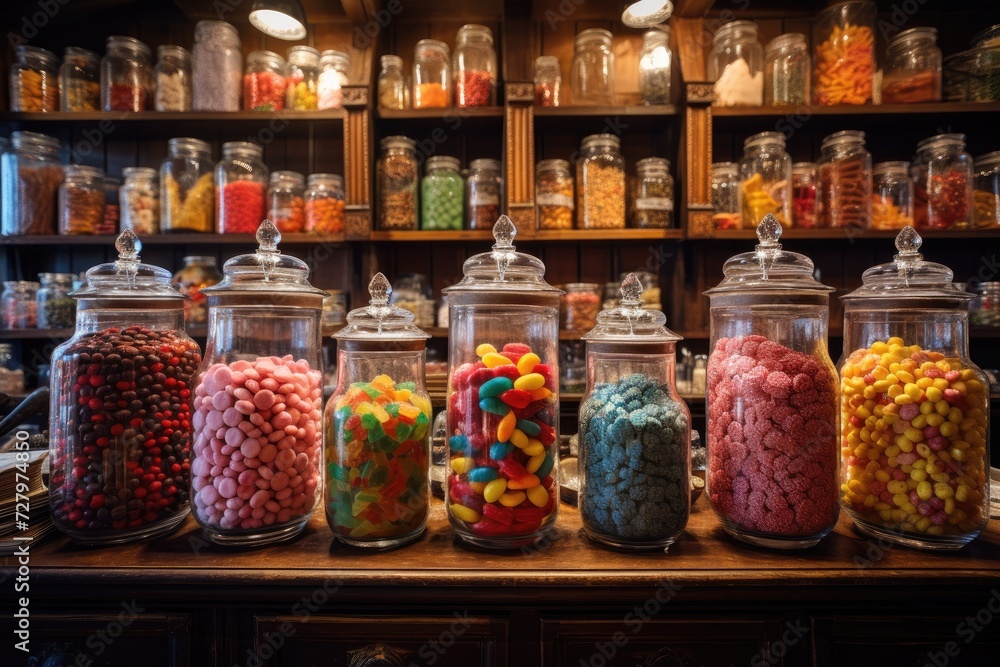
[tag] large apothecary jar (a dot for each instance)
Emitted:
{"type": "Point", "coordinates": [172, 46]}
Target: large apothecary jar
{"type": "Point", "coordinates": [725, 195]}
{"type": "Point", "coordinates": [173, 79]}
{"type": "Point", "coordinates": [264, 82]}
{"type": "Point", "coordinates": [31, 174]}
{"type": "Point", "coordinates": [912, 68]}
{"type": "Point", "coordinates": [187, 193]}
{"type": "Point", "coordinates": [120, 407]}
{"type": "Point", "coordinates": [600, 180]}
{"type": "Point", "coordinates": [914, 408]}
{"type": "Point", "coordinates": [592, 73]}
{"type": "Point", "coordinates": [257, 426]}
{"type": "Point", "coordinates": [554, 194]}
{"type": "Point", "coordinates": [302, 79]}
{"type": "Point", "coordinates": [392, 84]}
{"type": "Point", "coordinates": [986, 191]}
{"type": "Point", "coordinates": [765, 179]}
{"type": "Point", "coordinates": [892, 195]}
{"type": "Point", "coordinates": [139, 200]}
{"type": "Point", "coordinates": [378, 427]}
{"type": "Point", "coordinates": [503, 398]}
{"type": "Point", "coordinates": [80, 80]}
{"type": "Point", "coordinates": [942, 183]}
{"type": "Point", "coordinates": [397, 184]}
{"type": "Point", "coordinates": [772, 399]}
{"type": "Point", "coordinates": [333, 67]}
{"type": "Point", "coordinates": [845, 181]}
{"type": "Point", "coordinates": [217, 62]}
{"type": "Point", "coordinates": [655, 61]}
{"type": "Point", "coordinates": [240, 188]}
{"type": "Point", "coordinates": [736, 65]}
{"type": "Point", "coordinates": [844, 54]}
{"type": "Point", "coordinates": [635, 431]}
{"type": "Point", "coordinates": [475, 66]}
{"type": "Point", "coordinates": [34, 80]}
{"type": "Point", "coordinates": [442, 193]}
{"type": "Point", "coordinates": [431, 75]}
{"type": "Point", "coordinates": [787, 70]}
{"type": "Point", "coordinates": [81, 200]}
{"type": "Point", "coordinates": [127, 81]}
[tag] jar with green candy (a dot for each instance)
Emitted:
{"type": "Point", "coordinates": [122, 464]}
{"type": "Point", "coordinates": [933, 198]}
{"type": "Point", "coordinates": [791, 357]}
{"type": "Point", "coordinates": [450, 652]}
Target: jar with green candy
{"type": "Point", "coordinates": [442, 198]}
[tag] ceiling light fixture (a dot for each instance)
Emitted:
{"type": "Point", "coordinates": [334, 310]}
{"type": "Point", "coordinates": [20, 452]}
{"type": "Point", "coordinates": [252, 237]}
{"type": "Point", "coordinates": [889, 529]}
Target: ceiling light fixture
{"type": "Point", "coordinates": [284, 19]}
{"type": "Point", "coordinates": [647, 13]}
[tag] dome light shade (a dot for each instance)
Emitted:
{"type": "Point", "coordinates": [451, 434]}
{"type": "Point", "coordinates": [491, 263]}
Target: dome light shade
{"type": "Point", "coordinates": [283, 19]}
{"type": "Point", "coordinates": [647, 13]}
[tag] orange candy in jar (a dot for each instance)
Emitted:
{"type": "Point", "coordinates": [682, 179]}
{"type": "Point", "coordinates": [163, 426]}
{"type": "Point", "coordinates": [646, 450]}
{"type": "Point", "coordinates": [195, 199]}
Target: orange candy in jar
{"type": "Point", "coordinates": [324, 204]}
{"type": "Point", "coordinates": [844, 61]}
{"type": "Point", "coordinates": [286, 203]}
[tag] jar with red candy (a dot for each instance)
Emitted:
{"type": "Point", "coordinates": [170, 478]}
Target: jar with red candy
{"type": "Point", "coordinates": [127, 80]}
{"type": "Point", "coordinates": [772, 399]}
{"type": "Point", "coordinates": [475, 67]}
{"type": "Point", "coordinates": [942, 183]}
{"type": "Point", "coordinates": [120, 410]}
{"type": "Point", "coordinates": [503, 398]}
{"type": "Point", "coordinates": [264, 82]}
{"type": "Point", "coordinates": [257, 425]}
{"type": "Point", "coordinates": [198, 272]}
{"type": "Point", "coordinates": [240, 188]}
{"type": "Point", "coordinates": [804, 181]}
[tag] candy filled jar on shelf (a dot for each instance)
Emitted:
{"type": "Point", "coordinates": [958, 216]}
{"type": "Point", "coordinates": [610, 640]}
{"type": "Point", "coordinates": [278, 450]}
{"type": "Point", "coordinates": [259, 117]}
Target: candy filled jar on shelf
{"type": "Point", "coordinates": [914, 407]}
{"type": "Point", "coordinates": [765, 179]}
{"type": "Point", "coordinates": [197, 273]}
{"type": "Point", "coordinates": [127, 80]}
{"type": "Point", "coordinates": [736, 65]}
{"type": "Point", "coordinates": [240, 188]}
{"type": "Point", "coordinates": [942, 183]}
{"type": "Point", "coordinates": [844, 54]}
{"type": "Point", "coordinates": [475, 66]}
{"type": "Point", "coordinates": [121, 404]}
{"type": "Point", "coordinates": [187, 193]}
{"type": "Point", "coordinates": [503, 398]}
{"type": "Point", "coordinates": [378, 427]}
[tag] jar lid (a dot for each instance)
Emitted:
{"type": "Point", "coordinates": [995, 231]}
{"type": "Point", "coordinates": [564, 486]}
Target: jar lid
{"type": "Point", "coordinates": [605, 139]}
{"type": "Point", "coordinates": [21, 285]}
{"type": "Point", "coordinates": [894, 166]}
{"type": "Point", "coordinates": [988, 160]}
{"type": "Point", "coordinates": [380, 320]}
{"type": "Point", "coordinates": [75, 171]}
{"type": "Point", "coordinates": [188, 144]}
{"type": "Point", "coordinates": [630, 322]}
{"type": "Point", "coordinates": [332, 57]}
{"type": "Point", "coordinates": [940, 141]}
{"type": "Point", "coordinates": [286, 177]}
{"type": "Point", "coordinates": [266, 271]}
{"type": "Point", "coordinates": [803, 167]}
{"type": "Point", "coordinates": [325, 179]}
{"type": "Point", "coordinates": [908, 275]}
{"type": "Point", "coordinates": [484, 164]}
{"type": "Point", "coordinates": [653, 164]}
{"type": "Point", "coordinates": [391, 61]}
{"type": "Point", "coordinates": [210, 30]}
{"type": "Point", "coordinates": [786, 41]}
{"type": "Point", "coordinates": [269, 58]}
{"type": "Point", "coordinates": [733, 28]}
{"type": "Point", "coordinates": [140, 172]}
{"type": "Point", "coordinates": [763, 139]}
{"type": "Point", "coordinates": [173, 50]}
{"type": "Point", "coordinates": [443, 162]}
{"type": "Point", "coordinates": [430, 45]}
{"type": "Point", "coordinates": [47, 58]}
{"type": "Point", "coordinates": [303, 52]}
{"type": "Point", "coordinates": [842, 137]}
{"type": "Point", "coordinates": [474, 30]}
{"type": "Point", "coordinates": [25, 139]}
{"type": "Point", "coordinates": [398, 141]}
{"type": "Point", "coordinates": [724, 167]}
{"type": "Point", "coordinates": [200, 259]}
{"type": "Point", "coordinates": [231, 148]}
{"type": "Point", "coordinates": [593, 35]}
{"type": "Point", "coordinates": [128, 43]}
{"type": "Point", "coordinates": [127, 278]}
{"type": "Point", "coordinates": [553, 164]}
{"type": "Point", "coordinates": [768, 267]}
{"type": "Point", "coordinates": [504, 269]}
{"type": "Point", "coordinates": [74, 52]}
{"type": "Point", "coordinates": [913, 34]}
{"type": "Point", "coordinates": [542, 62]}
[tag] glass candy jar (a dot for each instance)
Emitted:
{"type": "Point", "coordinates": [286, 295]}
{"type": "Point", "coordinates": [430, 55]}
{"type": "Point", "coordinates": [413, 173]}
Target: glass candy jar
{"type": "Point", "coordinates": [286, 204]}
{"type": "Point", "coordinates": [765, 179]}
{"type": "Point", "coordinates": [81, 200]}
{"type": "Point", "coordinates": [34, 80]}
{"type": "Point", "coordinates": [302, 79]}
{"type": "Point", "coordinates": [844, 54]}
{"type": "Point", "coordinates": [392, 84]}
{"type": "Point", "coordinates": [264, 82]}
{"type": "Point", "coordinates": [600, 180]}
{"type": "Point", "coordinates": [19, 304]}
{"type": "Point", "coordinates": [482, 193]}
{"type": "Point", "coordinates": [139, 200]}
{"type": "Point", "coordinates": [187, 192]}
{"type": "Point", "coordinates": [912, 68]}
{"type": "Point", "coordinates": [397, 184]}
{"type": "Point", "coordinates": [378, 427]}
{"type": "Point", "coordinates": [80, 80]}
{"type": "Point", "coordinates": [736, 65]}
{"type": "Point", "coordinates": [325, 204]}
{"type": "Point", "coordinates": [772, 399]}
{"type": "Point", "coordinates": [654, 66]}
{"type": "Point", "coordinates": [31, 175]}
{"type": "Point", "coordinates": [217, 63]}
{"type": "Point", "coordinates": [257, 427]}
{"type": "Point", "coordinates": [503, 398]}
{"type": "Point", "coordinates": [579, 306]}
{"type": "Point", "coordinates": [127, 80]}
{"type": "Point", "coordinates": [942, 183]}
{"type": "Point", "coordinates": [56, 308]}
{"type": "Point", "coordinates": [635, 431]}
{"type": "Point", "coordinates": [441, 194]}
{"type": "Point", "coordinates": [592, 73]}
{"type": "Point", "coordinates": [654, 193]}
{"type": "Point", "coordinates": [548, 81]}
{"type": "Point", "coordinates": [197, 273]}
{"type": "Point", "coordinates": [892, 195]}
{"type": "Point", "coordinates": [986, 191]}
{"type": "Point", "coordinates": [805, 182]}
{"type": "Point", "coordinates": [475, 67]}
{"type": "Point", "coordinates": [845, 181]}
{"type": "Point", "coordinates": [554, 194]}
{"type": "Point", "coordinates": [914, 407]}
{"type": "Point", "coordinates": [786, 70]}
{"type": "Point", "coordinates": [173, 78]}
{"type": "Point", "coordinates": [240, 188]}
{"type": "Point", "coordinates": [725, 195]}
{"type": "Point", "coordinates": [431, 75]}
{"type": "Point", "coordinates": [120, 407]}
{"type": "Point", "coordinates": [333, 66]}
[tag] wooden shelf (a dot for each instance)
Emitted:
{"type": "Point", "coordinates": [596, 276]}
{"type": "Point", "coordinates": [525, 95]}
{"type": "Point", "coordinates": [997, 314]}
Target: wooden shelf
{"type": "Point", "coordinates": [574, 235]}
{"type": "Point", "coordinates": [433, 235]}
{"type": "Point", "coordinates": [636, 111]}
{"type": "Point", "coordinates": [170, 239]}
{"type": "Point", "coordinates": [170, 116]}
{"type": "Point", "coordinates": [928, 108]}
{"type": "Point", "coordinates": [852, 235]}
{"type": "Point", "coordinates": [439, 114]}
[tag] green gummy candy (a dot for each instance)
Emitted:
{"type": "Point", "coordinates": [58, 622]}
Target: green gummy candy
{"type": "Point", "coordinates": [412, 386]}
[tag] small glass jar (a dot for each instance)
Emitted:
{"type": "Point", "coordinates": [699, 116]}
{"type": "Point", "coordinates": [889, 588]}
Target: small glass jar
{"type": "Point", "coordinates": [503, 398]}
{"type": "Point", "coordinates": [217, 61]}
{"type": "Point", "coordinates": [773, 446]}
{"type": "Point", "coordinates": [736, 65]}
{"type": "Point", "coordinates": [197, 273]}
{"type": "Point", "coordinates": [112, 206]}
{"type": "Point", "coordinates": [654, 194]}
{"type": "Point", "coordinates": [986, 309]}
{"type": "Point", "coordinates": [334, 309]}
{"type": "Point", "coordinates": [119, 457]}
{"type": "Point", "coordinates": [765, 179]}
{"type": "Point", "coordinates": [31, 174]}
{"type": "Point", "coordinates": [845, 181]}
{"type": "Point", "coordinates": [942, 183]}
{"type": "Point", "coordinates": [286, 204]}
{"type": "Point", "coordinates": [892, 195]}
{"type": "Point", "coordinates": [844, 56]}
{"type": "Point", "coordinates": [554, 194]}
{"type": "Point", "coordinates": [986, 192]}
{"type": "Point", "coordinates": [34, 80]}
{"type": "Point", "coordinates": [725, 195]}
{"type": "Point", "coordinates": [264, 82]}
{"type": "Point", "coordinates": [302, 79]}
{"type": "Point", "coordinates": [635, 431]}
{"type": "Point", "coordinates": [579, 306]}
{"type": "Point", "coordinates": [324, 204]}
{"type": "Point", "coordinates": [805, 181]}
{"type": "Point", "coordinates": [333, 67]}
{"type": "Point", "coordinates": [912, 68]}
{"type": "Point", "coordinates": [378, 427]}
{"type": "Point", "coordinates": [20, 305]}
{"type": "Point", "coordinates": [140, 200]}
{"type": "Point", "coordinates": [258, 423]}
{"type": "Point", "coordinates": [81, 200]}
{"type": "Point", "coordinates": [397, 184]}
{"type": "Point", "coordinates": [475, 67]}
{"type": "Point", "coordinates": [787, 71]}
{"type": "Point", "coordinates": [592, 73]}
{"type": "Point", "coordinates": [915, 408]}
{"type": "Point", "coordinates": [56, 308]}
{"type": "Point", "coordinates": [413, 293]}
{"type": "Point", "coordinates": [482, 193]}
{"type": "Point", "coordinates": [442, 194]}
{"type": "Point", "coordinates": [80, 80]}
{"type": "Point", "coordinates": [431, 75]}
{"type": "Point", "coordinates": [127, 80]}
{"type": "Point", "coordinates": [548, 81]}
{"type": "Point", "coordinates": [173, 78]}
{"type": "Point", "coordinates": [655, 61]}
{"type": "Point", "coordinates": [240, 188]}
{"type": "Point", "coordinates": [392, 84]}
{"type": "Point", "coordinates": [187, 191]}
{"type": "Point", "coordinates": [600, 178]}
{"type": "Point", "coordinates": [11, 375]}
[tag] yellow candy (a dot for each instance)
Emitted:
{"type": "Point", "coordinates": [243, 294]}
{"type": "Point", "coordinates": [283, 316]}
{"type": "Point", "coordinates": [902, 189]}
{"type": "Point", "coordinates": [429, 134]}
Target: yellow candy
{"type": "Point", "coordinates": [506, 426]}
{"type": "Point", "coordinates": [535, 462]}
{"type": "Point", "coordinates": [463, 513]}
{"type": "Point", "coordinates": [519, 440]}
{"type": "Point", "coordinates": [478, 487]}
{"type": "Point", "coordinates": [534, 448]}
{"type": "Point", "coordinates": [484, 349]}
{"type": "Point", "coordinates": [526, 482]}
{"type": "Point", "coordinates": [380, 413]}
{"type": "Point", "coordinates": [492, 360]}
{"type": "Point", "coordinates": [462, 464]}
{"type": "Point", "coordinates": [540, 394]}
{"type": "Point", "coordinates": [529, 382]}
{"type": "Point", "coordinates": [495, 489]}
{"type": "Point", "coordinates": [512, 498]}
{"type": "Point", "coordinates": [527, 363]}
{"type": "Point", "coordinates": [539, 496]}
{"type": "Point", "coordinates": [363, 409]}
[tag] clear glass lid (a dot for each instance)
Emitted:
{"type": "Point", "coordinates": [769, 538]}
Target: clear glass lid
{"type": "Point", "coordinates": [630, 322]}
{"type": "Point", "coordinates": [379, 320]}
{"type": "Point", "coordinates": [127, 278]}
{"type": "Point", "coordinates": [908, 275]}
{"type": "Point", "coordinates": [504, 269]}
{"type": "Point", "coordinates": [768, 267]}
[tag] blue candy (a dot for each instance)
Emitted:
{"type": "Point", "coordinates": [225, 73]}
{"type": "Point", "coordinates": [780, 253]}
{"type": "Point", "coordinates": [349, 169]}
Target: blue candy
{"type": "Point", "coordinates": [482, 474]}
{"type": "Point", "coordinates": [494, 405]}
{"type": "Point", "coordinates": [458, 443]}
{"type": "Point", "coordinates": [530, 428]}
{"type": "Point", "coordinates": [500, 450]}
{"type": "Point", "coordinates": [495, 387]}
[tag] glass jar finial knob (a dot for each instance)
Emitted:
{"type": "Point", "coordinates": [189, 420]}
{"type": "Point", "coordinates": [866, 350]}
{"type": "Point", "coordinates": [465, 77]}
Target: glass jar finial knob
{"type": "Point", "coordinates": [128, 246]}
{"type": "Point", "coordinates": [268, 238]}
{"type": "Point", "coordinates": [379, 289]}
{"type": "Point", "coordinates": [504, 232]}
{"type": "Point", "coordinates": [631, 291]}
{"type": "Point", "coordinates": [769, 231]}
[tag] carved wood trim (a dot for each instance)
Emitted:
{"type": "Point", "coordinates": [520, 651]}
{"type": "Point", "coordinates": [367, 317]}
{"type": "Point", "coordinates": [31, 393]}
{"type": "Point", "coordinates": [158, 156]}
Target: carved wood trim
{"type": "Point", "coordinates": [357, 163]}
{"type": "Point", "coordinates": [698, 154]}
{"type": "Point", "coordinates": [519, 151]}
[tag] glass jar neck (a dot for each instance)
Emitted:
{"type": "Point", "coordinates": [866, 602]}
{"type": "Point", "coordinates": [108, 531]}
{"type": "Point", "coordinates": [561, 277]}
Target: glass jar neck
{"type": "Point", "coordinates": [95, 318]}
{"type": "Point", "coordinates": [944, 330]}
{"type": "Point", "coordinates": [37, 58]}
{"type": "Point", "coordinates": [365, 365]}
{"type": "Point", "coordinates": [607, 367]}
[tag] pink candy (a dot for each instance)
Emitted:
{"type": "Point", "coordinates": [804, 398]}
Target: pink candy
{"type": "Point", "coordinates": [257, 448]}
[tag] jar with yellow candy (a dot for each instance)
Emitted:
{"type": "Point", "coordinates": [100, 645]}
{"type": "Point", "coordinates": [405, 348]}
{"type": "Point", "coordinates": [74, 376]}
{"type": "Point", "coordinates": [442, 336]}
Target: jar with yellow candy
{"type": "Point", "coordinates": [765, 174]}
{"type": "Point", "coordinates": [378, 427]}
{"type": "Point", "coordinates": [914, 408]}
